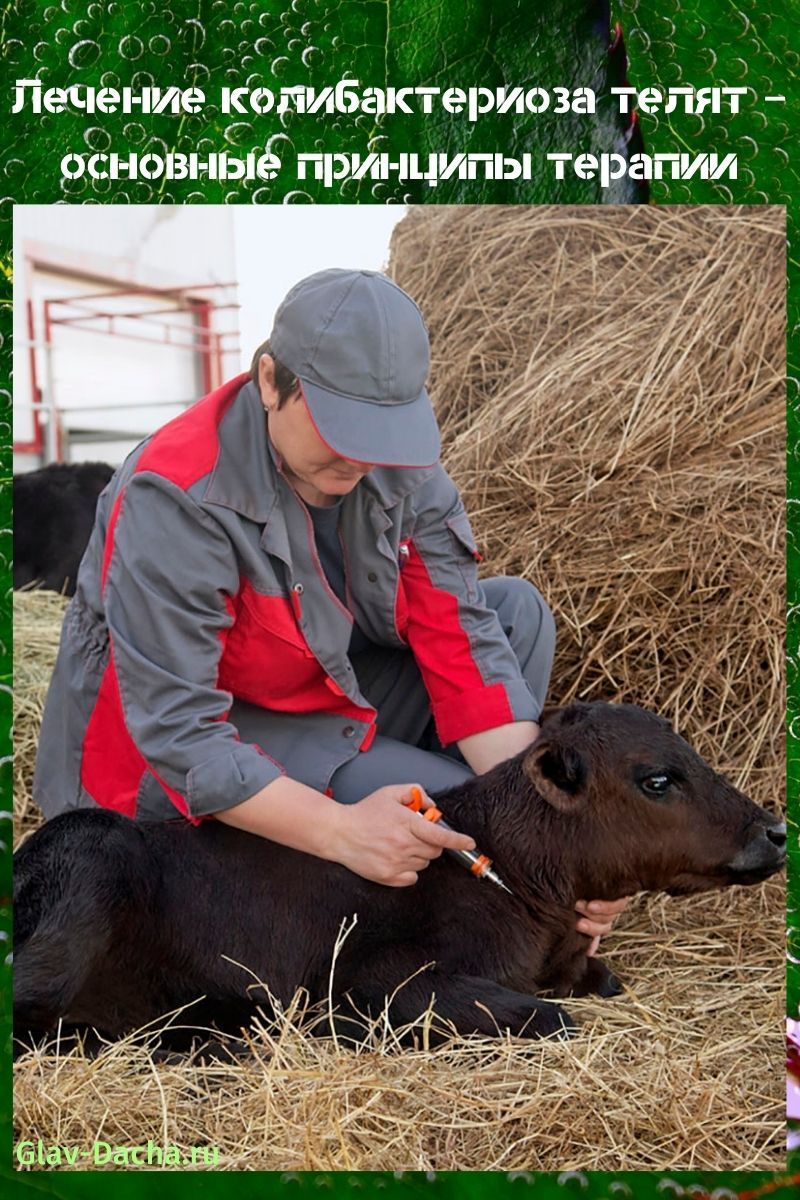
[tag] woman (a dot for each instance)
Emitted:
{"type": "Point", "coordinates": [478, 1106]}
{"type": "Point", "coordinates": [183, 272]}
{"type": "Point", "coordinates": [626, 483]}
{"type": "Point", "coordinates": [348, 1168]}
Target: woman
{"type": "Point", "coordinates": [279, 608]}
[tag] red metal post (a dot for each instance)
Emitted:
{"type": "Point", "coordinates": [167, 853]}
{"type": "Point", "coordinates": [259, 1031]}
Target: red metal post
{"type": "Point", "coordinates": [202, 311]}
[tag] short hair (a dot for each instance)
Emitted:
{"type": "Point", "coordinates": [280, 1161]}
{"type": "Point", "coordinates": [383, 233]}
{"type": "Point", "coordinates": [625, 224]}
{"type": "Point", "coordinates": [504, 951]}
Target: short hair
{"type": "Point", "coordinates": [286, 381]}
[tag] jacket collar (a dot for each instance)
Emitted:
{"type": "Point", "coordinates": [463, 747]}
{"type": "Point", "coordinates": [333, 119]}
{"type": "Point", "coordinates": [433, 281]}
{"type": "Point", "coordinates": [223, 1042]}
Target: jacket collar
{"type": "Point", "coordinates": [247, 475]}
{"type": "Point", "coordinates": [243, 477]}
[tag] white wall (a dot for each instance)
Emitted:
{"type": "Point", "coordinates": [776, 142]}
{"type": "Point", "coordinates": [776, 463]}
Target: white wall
{"type": "Point", "coordinates": [265, 249]}
{"type": "Point", "coordinates": [277, 245]}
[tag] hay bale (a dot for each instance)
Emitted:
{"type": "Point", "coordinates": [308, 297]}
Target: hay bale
{"type": "Point", "coordinates": [609, 383]}
{"type": "Point", "coordinates": [609, 386]}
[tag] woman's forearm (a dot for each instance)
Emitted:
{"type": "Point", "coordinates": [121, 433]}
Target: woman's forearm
{"type": "Point", "coordinates": [485, 750]}
{"type": "Point", "coordinates": [380, 838]}
{"type": "Point", "coordinates": [288, 812]}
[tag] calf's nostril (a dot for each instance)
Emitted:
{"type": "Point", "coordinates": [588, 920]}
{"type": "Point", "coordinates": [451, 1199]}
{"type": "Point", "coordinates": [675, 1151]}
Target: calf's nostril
{"type": "Point", "coordinates": [777, 834]}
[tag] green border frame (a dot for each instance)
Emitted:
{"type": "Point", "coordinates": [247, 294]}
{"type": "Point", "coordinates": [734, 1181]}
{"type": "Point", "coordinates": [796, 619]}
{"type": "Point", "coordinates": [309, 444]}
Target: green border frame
{"type": "Point", "coordinates": [738, 42]}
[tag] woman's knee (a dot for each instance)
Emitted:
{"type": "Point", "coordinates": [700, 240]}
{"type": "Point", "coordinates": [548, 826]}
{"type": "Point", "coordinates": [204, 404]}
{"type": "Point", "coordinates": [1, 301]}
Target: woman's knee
{"type": "Point", "coordinates": [389, 761]}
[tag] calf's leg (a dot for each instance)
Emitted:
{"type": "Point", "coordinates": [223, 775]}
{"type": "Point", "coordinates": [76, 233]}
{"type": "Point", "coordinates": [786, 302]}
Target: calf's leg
{"type": "Point", "coordinates": [468, 1004]}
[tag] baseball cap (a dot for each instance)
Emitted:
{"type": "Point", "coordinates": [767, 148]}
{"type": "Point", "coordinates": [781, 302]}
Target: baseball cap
{"type": "Point", "coordinates": [358, 344]}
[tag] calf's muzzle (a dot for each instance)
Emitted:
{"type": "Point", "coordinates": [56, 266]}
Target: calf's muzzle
{"type": "Point", "coordinates": [764, 854]}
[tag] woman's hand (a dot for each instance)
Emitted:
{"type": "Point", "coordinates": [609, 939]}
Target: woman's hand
{"type": "Point", "coordinates": [599, 917]}
{"type": "Point", "coordinates": [383, 840]}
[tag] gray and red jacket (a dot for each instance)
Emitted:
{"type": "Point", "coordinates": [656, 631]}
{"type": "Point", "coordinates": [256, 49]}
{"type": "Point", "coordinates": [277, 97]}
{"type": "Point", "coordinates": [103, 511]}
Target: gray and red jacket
{"type": "Point", "coordinates": [201, 583]}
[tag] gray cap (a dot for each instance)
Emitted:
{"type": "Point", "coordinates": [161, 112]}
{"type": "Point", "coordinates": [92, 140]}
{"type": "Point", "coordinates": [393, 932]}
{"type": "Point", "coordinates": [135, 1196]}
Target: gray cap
{"type": "Point", "coordinates": [359, 346]}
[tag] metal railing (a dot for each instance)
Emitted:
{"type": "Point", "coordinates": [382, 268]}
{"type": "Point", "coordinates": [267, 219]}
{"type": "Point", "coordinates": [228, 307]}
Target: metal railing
{"type": "Point", "coordinates": [52, 432]}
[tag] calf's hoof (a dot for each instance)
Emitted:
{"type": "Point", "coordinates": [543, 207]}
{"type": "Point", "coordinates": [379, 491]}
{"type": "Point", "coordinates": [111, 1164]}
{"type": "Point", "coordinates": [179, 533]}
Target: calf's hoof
{"type": "Point", "coordinates": [611, 986]}
{"type": "Point", "coordinates": [602, 981]}
{"type": "Point", "coordinates": [547, 1020]}
{"type": "Point", "coordinates": [597, 980]}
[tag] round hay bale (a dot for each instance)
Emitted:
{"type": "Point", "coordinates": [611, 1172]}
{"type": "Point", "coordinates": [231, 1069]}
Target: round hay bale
{"type": "Point", "coordinates": [609, 383]}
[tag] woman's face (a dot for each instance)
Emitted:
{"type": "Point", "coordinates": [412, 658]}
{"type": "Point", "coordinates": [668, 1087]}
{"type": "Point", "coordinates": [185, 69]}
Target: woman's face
{"type": "Point", "coordinates": [318, 474]}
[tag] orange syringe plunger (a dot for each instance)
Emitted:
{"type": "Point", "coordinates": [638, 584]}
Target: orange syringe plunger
{"type": "Point", "coordinates": [473, 860]}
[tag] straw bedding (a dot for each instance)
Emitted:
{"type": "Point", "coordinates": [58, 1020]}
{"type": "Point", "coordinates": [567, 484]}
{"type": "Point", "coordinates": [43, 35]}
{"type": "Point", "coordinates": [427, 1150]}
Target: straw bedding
{"type": "Point", "coordinates": [609, 385]}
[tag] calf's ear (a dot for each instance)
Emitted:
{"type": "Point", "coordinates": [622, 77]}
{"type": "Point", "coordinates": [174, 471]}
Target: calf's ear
{"type": "Point", "coordinates": [558, 773]}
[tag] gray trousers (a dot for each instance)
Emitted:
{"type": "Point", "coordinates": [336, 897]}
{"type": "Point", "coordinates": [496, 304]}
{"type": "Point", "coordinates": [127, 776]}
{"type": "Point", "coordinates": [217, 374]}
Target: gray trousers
{"type": "Point", "coordinates": [405, 748]}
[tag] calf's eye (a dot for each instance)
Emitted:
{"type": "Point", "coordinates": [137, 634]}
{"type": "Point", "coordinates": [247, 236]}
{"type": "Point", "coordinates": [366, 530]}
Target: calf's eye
{"type": "Point", "coordinates": [656, 785]}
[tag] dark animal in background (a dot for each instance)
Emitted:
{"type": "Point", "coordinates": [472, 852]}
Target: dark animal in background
{"type": "Point", "coordinates": [117, 922]}
{"type": "Point", "coordinates": [53, 516]}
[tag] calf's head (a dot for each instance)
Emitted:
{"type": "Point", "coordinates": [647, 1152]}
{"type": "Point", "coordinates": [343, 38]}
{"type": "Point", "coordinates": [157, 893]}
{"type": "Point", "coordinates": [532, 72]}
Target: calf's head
{"type": "Point", "coordinates": [644, 811]}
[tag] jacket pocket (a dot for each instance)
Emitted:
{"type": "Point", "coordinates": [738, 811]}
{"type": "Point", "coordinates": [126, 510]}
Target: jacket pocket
{"type": "Point", "coordinates": [460, 527]}
{"type": "Point", "coordinates": [88, 634]}
{"type": "Point", "coordinates": [275, 615]}
{"type": "Point", "coordinates": [74, 688]}
{"type": "Point", "coordinates": [266, 659]}
{"type": "Point", "coordinates": [461, 530]}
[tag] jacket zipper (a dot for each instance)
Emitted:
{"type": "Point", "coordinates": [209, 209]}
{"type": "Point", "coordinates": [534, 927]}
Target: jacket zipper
{"type": "Point", "coordinates": [403, 555]}
{"type": "Point", "coordinates": [346, 561]}
{"type": "Point", "coordinates": [316, 559]}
